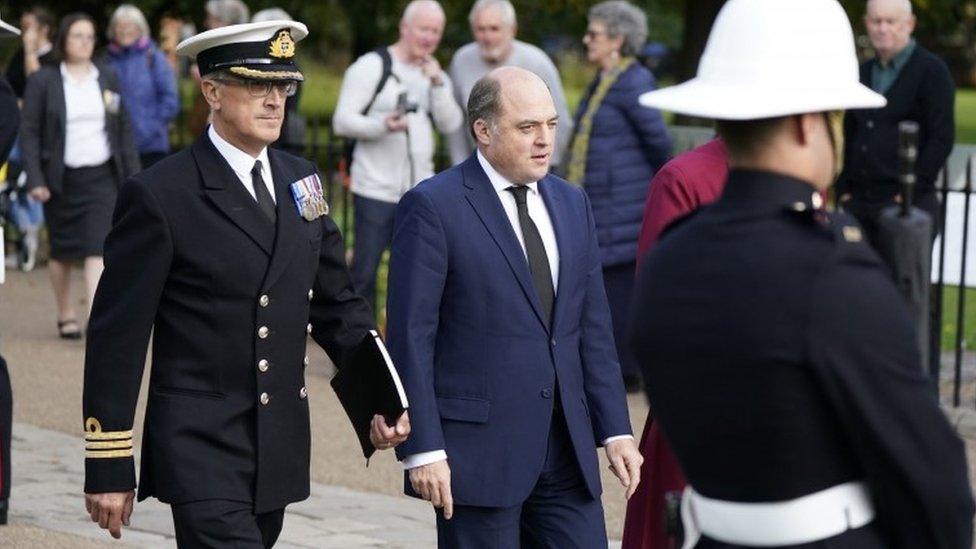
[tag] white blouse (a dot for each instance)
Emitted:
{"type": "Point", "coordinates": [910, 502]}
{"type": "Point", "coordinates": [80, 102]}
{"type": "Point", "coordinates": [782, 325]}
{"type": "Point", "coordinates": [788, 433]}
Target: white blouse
{"type": "Point", "coordinates": [85, 140]}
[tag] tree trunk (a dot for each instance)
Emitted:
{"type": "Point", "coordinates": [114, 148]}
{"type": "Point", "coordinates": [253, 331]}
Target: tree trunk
{"type": "Point", "coordinates": [699, 16]}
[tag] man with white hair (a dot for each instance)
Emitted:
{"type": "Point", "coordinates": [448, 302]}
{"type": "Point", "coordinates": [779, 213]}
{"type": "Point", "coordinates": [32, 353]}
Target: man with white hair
{"type": "Point", "coordinates": [391, 102]}
{"type": "Point", "coordinates": [918, 87]}
{"type": "Point", "coordinates": [494, 25]}
{"type": "Point", "coordinates": [782, 363]}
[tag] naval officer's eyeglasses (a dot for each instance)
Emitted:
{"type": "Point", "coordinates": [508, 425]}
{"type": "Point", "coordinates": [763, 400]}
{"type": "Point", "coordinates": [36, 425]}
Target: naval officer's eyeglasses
{"type": "Point", "coordinates": [262, 88]}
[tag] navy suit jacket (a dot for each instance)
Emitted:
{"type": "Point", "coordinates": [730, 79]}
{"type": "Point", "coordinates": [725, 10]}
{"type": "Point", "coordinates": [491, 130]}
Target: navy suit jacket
{"type": "Point", "coordinates": [467, 332]}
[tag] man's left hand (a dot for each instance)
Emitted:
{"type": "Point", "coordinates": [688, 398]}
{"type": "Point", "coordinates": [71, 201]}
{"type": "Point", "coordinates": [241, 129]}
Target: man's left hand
{"type": "Point", "coordinates": [385, 437]}
{"type": "Point", "coordinates": [625, 462]}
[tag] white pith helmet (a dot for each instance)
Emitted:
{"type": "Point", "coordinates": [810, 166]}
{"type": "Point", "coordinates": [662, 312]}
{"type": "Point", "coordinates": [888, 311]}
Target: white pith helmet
{"type": "Point", "coordinates": [768, 58]}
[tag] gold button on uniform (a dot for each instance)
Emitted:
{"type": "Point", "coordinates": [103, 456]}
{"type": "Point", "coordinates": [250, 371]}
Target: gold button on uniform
{"type": "Point", "coordinates": [303, 393]}
{"type": "Point", "coordinates": [308, 329]}
{"type": "Point", "coordinates": [263, 365]}
{"type": "Point", "coordinates": [263, 332]}
{"type": "Point", "coordinates": [817, 200]}
{"type": "Point", "coordinates": [264, 300]}
{"type": "Point", "coordinates": [311, 294]}
{"type": "Point", "coordinates": [265, 399]}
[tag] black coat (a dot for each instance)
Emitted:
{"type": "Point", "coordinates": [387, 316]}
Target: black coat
{"type": "Point", "coordinates": [784, 362]}
{"type": "Point", "coordinates": [192, 258]}
{"type": "Point", "coordinates": [923, 93]}
{"type": "Point", "coordinates": [43, 129]}
{"type": "Point", "coordinates": [9, 119]}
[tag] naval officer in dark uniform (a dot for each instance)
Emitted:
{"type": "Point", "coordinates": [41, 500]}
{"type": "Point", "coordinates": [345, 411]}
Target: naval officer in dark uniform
{"type": "Point", "coordinates": [224, 253]}
{"type": "Point", "coordinates": [784, 366]}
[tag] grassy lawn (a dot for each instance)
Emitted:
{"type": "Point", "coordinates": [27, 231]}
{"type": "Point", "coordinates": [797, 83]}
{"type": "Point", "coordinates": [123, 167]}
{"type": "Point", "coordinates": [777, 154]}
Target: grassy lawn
{"type": "Point", "coordinates": [966, 116]}
{"type": "Point", "coordinates": [950, 304]}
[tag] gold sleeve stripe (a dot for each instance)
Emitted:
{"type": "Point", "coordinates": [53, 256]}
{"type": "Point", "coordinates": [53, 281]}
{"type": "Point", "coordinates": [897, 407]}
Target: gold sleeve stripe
{"type": "Point", "coordinates": [110, 435]}
{"type": "Point", "coordinates": [109, 445]}
{"type": "Point", "coordinates": [103, 454]}
{"type": "Point", "coordinates": [93, 431]}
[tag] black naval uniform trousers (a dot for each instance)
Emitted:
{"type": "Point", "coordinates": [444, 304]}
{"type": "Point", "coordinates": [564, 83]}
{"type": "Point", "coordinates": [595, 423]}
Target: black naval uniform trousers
{"type": "Point", "coordinates": [230, 299]}
{"type": "Point", "coordinates": [784, 363]}
{"type": "Point", "coordinates": [9, 122]}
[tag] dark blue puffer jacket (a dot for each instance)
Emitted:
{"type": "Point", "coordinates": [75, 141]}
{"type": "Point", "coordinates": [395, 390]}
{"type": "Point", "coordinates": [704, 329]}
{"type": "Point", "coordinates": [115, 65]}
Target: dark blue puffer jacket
{"type": "Point", "coordinates": [628, 144]}
{"type": "Point", "coordinates": [148, 92]}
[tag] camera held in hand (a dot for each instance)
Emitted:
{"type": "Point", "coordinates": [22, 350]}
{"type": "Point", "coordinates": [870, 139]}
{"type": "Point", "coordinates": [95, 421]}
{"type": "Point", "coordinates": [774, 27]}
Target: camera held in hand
{"type": "Point", "coordinates": [404, 105]}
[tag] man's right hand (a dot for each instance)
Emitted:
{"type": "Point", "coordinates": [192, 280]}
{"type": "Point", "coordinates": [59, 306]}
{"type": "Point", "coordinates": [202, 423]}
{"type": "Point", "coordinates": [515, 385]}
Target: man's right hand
{"type": "Point", "coordinates": [396, 122]}
{"type": "Point", "coordinates": [111, 510]}
{"type": "Point", "coordinates": [433, 483]}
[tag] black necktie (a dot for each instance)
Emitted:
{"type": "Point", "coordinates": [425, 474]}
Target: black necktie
{"type": "Point", "coordinates": [265, 202]}
{"type": "Point", "coordinates": [536, 252]}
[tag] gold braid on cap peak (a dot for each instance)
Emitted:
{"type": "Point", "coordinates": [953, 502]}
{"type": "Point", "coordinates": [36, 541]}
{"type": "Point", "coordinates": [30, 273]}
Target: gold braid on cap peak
{"type": "Point", "coordinates": [106, 444]}
{"type": "Point", "coordinates": [267, 75]}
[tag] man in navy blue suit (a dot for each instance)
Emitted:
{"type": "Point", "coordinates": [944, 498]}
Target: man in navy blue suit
{"type": "Point", "coordinates": [499, 325]}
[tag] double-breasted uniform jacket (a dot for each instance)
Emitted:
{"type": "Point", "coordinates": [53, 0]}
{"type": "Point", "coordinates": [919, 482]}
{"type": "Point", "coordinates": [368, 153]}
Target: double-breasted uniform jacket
{"type": "Point", "coordinates": [43, 128]}
{"type": "Point", "coordinates": [783, 362]}
{"type": "Point", "coordinates": [230, 300]}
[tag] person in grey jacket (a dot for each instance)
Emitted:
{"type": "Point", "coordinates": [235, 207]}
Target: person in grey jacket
{"type": "Point", "coordinates": [78, 148]}
{"type": "Point", "coordinates": [494, 25]}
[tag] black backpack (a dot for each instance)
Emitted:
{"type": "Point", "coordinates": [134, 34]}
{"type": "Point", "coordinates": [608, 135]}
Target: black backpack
{"type": "Point", "coordinates": [350, 145]}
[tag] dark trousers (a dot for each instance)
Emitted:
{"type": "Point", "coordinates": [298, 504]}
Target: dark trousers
{"type": "Point", "coordinates": [218, 523]}
{"type": "Point", "coordinates": [619, 284]}
{"type": "Point", "coordinates": [374, 233]}
{"type": "Point", "coordinates": [6, 423]}
{"type": "Point", "coordinates": [558, 514]}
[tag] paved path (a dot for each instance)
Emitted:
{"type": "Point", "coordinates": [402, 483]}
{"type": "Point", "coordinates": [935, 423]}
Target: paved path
{"type": "Point", "coordinates": [48, 475]}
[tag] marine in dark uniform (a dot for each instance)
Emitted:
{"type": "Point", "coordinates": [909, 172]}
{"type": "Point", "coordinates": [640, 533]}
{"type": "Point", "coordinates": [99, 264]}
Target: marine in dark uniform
{"type": "Point", "coordinates": [223, 252]}
{"type": "Point", "coordinates": [784, 366]}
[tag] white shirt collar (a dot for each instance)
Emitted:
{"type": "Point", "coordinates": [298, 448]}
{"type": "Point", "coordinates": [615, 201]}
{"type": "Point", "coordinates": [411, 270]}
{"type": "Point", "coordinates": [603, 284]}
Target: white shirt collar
{"type": "Point", "coordinates": [498, 181]}
{"type": "Point", "coordinates": [68, 77]}
{"type": "Point", "coordinates": [241, 162]}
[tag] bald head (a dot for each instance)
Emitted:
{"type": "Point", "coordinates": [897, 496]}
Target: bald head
{"type": "Point", "coordinates": [513, 120]}
{"type": "Point", "coordinates": [902, 6]}
{"type": "Point", "coordinates": [890, 24]}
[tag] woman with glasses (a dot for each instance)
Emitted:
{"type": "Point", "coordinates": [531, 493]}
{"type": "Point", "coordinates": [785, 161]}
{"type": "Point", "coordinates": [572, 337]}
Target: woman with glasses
{"type": "Point", "coordinates": [616, 148]}
{"type": "Point", "coordinates": [77, 149]}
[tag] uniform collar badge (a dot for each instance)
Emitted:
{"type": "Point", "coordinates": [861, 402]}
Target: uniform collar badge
{"type": "Point", "coordinates": [309, 197]}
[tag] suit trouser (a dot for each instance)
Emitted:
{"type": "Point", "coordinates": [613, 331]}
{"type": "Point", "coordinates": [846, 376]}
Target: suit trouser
{"type": "Point", "coordinates": [219, 523]}
{"type": "Point", "coordinates": [558, 514]}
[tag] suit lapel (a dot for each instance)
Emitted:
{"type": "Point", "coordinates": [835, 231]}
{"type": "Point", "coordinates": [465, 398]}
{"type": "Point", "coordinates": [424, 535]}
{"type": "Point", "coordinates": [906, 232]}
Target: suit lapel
{"type": "Point", "coordinates": [561, 226]}
{"type": "Point", "coordinates": [289, 221]}
{"type": "Point", "coordinates": [483, 198]}
{"type": "Point", "coordinates": [222, 187]}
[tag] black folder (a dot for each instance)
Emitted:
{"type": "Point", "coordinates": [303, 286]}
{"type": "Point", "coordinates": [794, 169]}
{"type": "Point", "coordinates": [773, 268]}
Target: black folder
{"type": "Point", "coordinates": [368, 384]}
